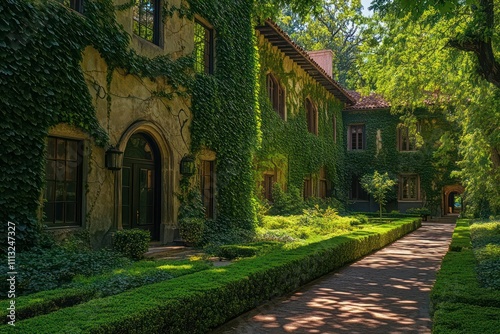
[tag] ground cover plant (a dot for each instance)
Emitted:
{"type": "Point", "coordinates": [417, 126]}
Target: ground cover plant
{"type": "Point", "coordinates": [201, 301]}
{"type": "Point", "coordinates": [84, 288]}
{"type": "Point", "coordinates": [464, 298]}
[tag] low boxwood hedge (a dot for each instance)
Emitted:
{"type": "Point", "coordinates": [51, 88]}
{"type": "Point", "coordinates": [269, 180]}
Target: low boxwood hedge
{"type": "Point", "coordinates": [202, 301]}
{"type": "Point", "coordinates": [458, 303]}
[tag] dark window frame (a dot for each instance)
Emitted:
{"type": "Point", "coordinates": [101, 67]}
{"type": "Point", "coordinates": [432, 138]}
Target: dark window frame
{"type": "Point", "coordinates": [356, 137]}
{"type": "Point", "coordinates": [323, 184]}
{"type": "Point", "coordinates": [404, 187]}
{"type": "Point", "coordinates": [59, 182]}
{"type": "Point", "coordinates": [406, 141]}
{"type": "Point", "coordinates": [267, 186]}
{"type": "Point", "coordinates": [311, 117]}
{"type": "Point", "coordinates": [156, 18]}
{"type": "Point", "coordinates": [207, 65]}
{"type": "Point", "coordinates": [276, 94]}
{"type": "Point", "coordinates": [356, 192]}
{"type": "Point", "coordinates": [307, 191]}
{"type": "Point", "coordinates": [208, 191]}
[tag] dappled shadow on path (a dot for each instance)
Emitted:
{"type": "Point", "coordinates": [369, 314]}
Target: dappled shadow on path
{"type": "Point", "coordinates": [386, 292]}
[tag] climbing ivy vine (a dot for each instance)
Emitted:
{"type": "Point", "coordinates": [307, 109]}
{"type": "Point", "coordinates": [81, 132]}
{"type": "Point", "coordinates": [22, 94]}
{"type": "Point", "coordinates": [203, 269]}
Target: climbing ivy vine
{"type": "Point", "coordinates": [41, 47]}
{"type": "Point", "coordinates": [288, 142]}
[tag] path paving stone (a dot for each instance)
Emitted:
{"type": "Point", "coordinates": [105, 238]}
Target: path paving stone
{"type": "Point", "coordinates": [386, 292]}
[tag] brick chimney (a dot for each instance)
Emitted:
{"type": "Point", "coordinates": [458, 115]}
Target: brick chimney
{"type": "Point", "coordinates": [324, 58]}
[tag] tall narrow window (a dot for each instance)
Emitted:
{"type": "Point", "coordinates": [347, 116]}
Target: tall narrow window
{"type": "Point", "coordinates": [308, 190]}
{"type": "Point", "coordinates": [323, 183]}
{"type": "Point", "coordinates": [311, 117]}
{"type": "Point", "coordinates": [406, 140]}
{"type": "Point", "coordinates": [207, 177]}
{"type": "Point", "coordinates": [203, 48]}
{"type": "Point", "coordinates": [73, 4]}
{"type": "Point", "coordinates": [356, 137]}
{"type": "Point", "coordinates": [276, 95]}
{"type": "Point", "coordinates": [335, 128]}
{"type": "Point", "coordinates": [409, 186]}
{"type": "Point", "coordinates": [267, 187]}
{"type": "Point", "coordinates": [147, 20]}
{"type": "Point", "coordinates": [63, 177]}
{"type": "Point", "coordinates": [357, 193]}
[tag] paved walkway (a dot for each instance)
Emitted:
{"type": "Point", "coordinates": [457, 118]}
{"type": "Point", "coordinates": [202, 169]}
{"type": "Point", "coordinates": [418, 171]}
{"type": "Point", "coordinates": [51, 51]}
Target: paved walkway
{"type": "Point", "coordinates": [386, 292]}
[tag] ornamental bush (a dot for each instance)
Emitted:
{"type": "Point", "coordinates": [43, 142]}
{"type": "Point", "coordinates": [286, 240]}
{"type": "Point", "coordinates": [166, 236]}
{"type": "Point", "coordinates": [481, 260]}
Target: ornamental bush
{"type": "Point", "coordinates": [191, 230]}
{"type": "Point", "coordinates": [132, 243]}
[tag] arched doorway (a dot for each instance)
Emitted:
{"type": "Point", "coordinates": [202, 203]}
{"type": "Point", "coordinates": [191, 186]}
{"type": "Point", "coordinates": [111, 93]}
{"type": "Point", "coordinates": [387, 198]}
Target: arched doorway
{"type": "Point", "coordinates": [141, 174]}
{"type": "Point", "coordinates": [452, 199]}
{"type": "Point", "coordinates": [454, 202]}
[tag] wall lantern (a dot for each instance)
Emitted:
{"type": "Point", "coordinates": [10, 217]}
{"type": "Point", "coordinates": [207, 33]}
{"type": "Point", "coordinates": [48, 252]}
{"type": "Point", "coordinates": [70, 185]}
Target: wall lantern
{"type": "Point", "coordinates": [187, 165]}
{"type": "Point", "coordinates": [113, 159]}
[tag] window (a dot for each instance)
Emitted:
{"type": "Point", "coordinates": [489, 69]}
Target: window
{"type": "Point", "coordinates": [63, 177]}
{"type": "Point", "coordinates": [323, 183]}
{"type": "Point", "coordinates": [267, 187]}
{"type": "Point", "coordinates": [73, 4]}
{"type": "Point", "coordinates": [207, 177]}
{"type": "Point", "coordinates": [409, 187]}
{"type": "Point", "coordinates": [406, 140]}
{"type": "Point", "coordinates": [203, 48]}
{"type": "Point", "coordinates": [276, 95]}
{"type": "Point", "coordinates": [147, 20]}
{"type": "Point", "coordinates": [357, 193]}
{"type": "Point", "coordinates": [335, 128]}
{"type": "Point", "coordinates": [356, 137]}
{"type": "Point", "coordinates": [307, 187]}
{"type": "Point", "coordinates": [311, 117]}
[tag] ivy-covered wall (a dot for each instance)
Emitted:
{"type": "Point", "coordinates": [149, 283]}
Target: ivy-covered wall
{"type": "Point", "coordinates": [381, 153]}
{"type": "Point", "coordinates": [225, 113]}
{"type": "Point", "coordinates": [88, 77]}
{"type": "Point", "coordinates": [287, 144]}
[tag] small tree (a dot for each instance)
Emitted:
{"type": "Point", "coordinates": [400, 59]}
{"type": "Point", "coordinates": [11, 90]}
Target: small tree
{"type": "Point", "coordinates": [378, 185]}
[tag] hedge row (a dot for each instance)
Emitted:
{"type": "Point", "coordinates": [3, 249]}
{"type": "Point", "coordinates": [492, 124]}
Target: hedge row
{"type": "Point", "coordinates": [202, 301]}
{"type": "Point", "coordinates": [458, 302]}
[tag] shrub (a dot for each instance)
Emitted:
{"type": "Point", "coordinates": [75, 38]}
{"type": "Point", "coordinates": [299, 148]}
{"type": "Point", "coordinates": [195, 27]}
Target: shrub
{"type": "Point", "coordinates": [191, 230]}
{"type": "Point", "coordinates": [46, 269]}
{"type": "Point", "coordinates": [133, 243]}
{"type": "Point", "coordinates": [286, 203]}
{"type": "Point", "coordinates": [231, 252]}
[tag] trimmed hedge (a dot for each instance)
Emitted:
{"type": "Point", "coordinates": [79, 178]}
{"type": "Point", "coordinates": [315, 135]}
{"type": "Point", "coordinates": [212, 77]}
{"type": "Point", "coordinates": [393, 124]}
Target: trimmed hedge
{"type": "Point", "coordinates": [202, 301]}
{"type": "Point", "coordinates": [458, 303]}
{"type": "Point", "coordinates": [464, 318]}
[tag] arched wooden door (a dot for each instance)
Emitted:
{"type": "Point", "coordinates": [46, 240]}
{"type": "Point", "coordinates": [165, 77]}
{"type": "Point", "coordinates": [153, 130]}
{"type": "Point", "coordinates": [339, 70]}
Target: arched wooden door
{"type": "Point", "coordinates": [141, 185]}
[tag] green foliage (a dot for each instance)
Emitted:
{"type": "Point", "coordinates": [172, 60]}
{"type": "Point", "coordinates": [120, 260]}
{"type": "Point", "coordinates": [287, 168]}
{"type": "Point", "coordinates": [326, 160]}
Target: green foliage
{"type": "Point", "coordinates": [457, 289]}
{"type": "Point", "coordinates": [191, 230]}
{"type": "Point", "coordinates": [337, 25]}
{"type": "Point", "coordinates": [485, 238]}
{"type": "Point", "coordinates": [133, 243]}
{"type": "Point", "coordinates": [83, 289]}
{"type": "Point", "coordinates": [312, 223]}
{"type": "Point", "coordinates": [49, 268]}
{"type": "Point", "coordinates": [231, 252]}
{"type": "Point", "coordinates": [378, 185]}
{"type": "Point", "coordinates": [225, 113]}
{"type": "Point", "coordinates": [202, 301]}
{"type": "Point", "coordinates": [286, 202]}
{"type": "Point", "coordinates": [419, 60]}
{"type": "Point", "coordinates": [423, 212]}
{"type": "Point", "coordinates": [424, 162]}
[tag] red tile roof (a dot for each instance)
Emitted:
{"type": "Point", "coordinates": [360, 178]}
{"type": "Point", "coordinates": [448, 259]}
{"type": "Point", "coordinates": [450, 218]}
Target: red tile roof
{"type": "Point", "coordinates": [277, 37]}
{"type": "Point", "coordinates": [370, 102]}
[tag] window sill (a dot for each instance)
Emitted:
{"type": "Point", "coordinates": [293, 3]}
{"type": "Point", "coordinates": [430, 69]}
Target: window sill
{"type": "Point", "coordinates": [410, 200]}
{"type": "Point", "coordinates": [64, 227]}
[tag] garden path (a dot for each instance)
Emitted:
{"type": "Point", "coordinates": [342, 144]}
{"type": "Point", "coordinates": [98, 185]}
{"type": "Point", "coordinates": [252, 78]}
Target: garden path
{"type": "Point", "coordinates": [385, 292]}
